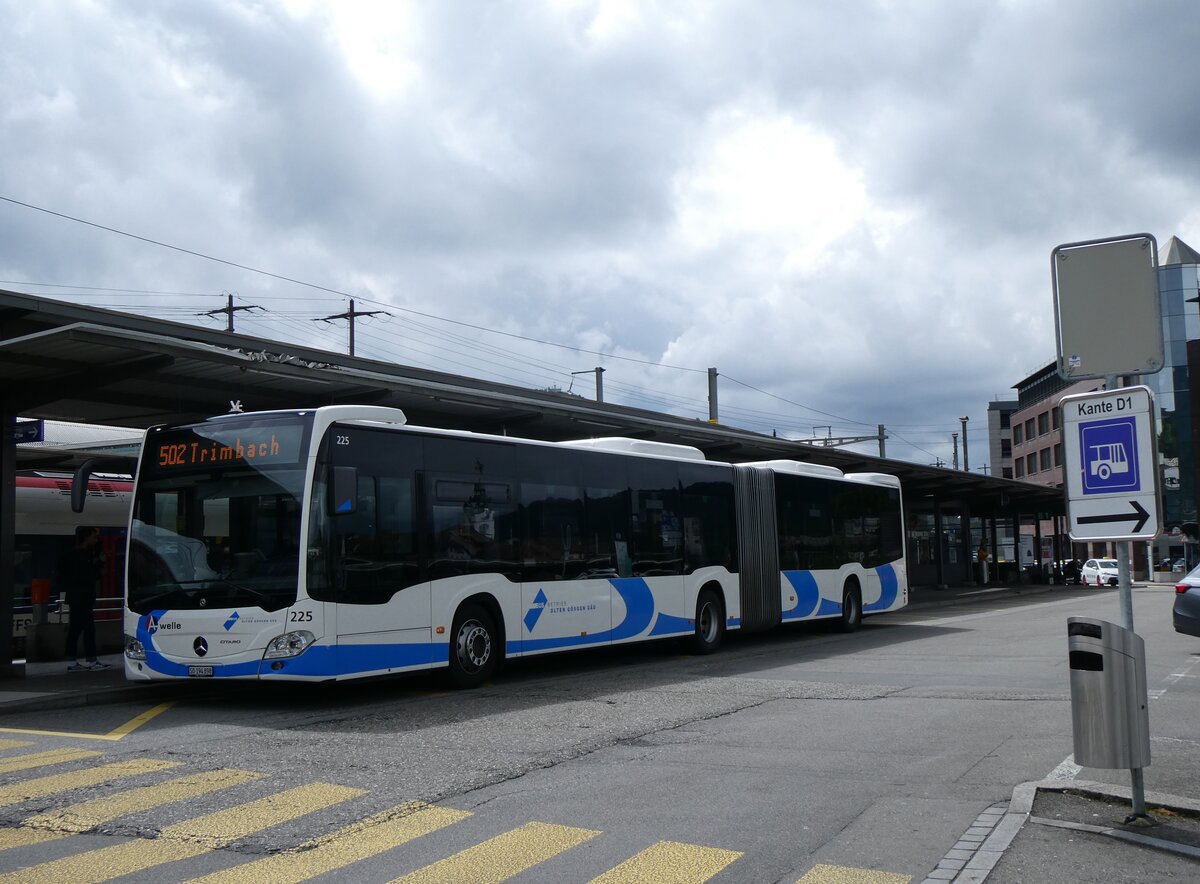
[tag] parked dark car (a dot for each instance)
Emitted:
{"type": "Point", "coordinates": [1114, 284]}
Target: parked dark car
{"type": "Point", "coordinates": [1186, 612]}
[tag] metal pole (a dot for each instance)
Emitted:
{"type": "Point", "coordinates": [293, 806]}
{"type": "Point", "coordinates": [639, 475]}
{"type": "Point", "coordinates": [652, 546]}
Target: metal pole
{"type": "Point", "coordinates": [599, 384]}
{"type": "Point", "coordinates": [954, 436]}
{"type": "Point", "coordinates": [350, 315]}
{"type": "Point", "coordinates": [8, 500]}
{"type": "Point", "coordinates": [966, 466]}
{"type": "Point", "coordinates": [1125, 588]}
{"type": "Point", "coordinates": [712, 395]}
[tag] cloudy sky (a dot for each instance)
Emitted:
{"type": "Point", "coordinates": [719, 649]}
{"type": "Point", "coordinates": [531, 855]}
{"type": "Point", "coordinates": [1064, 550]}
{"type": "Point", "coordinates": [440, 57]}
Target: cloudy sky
{"type": "Point", "coordinates": [846, 208]}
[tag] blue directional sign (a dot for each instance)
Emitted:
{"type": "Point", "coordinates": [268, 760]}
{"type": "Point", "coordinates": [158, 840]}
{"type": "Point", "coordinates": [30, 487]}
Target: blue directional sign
{"type": "Point", "coordinates": [1109, 454]}
{"type": "Point", "coordinates": [1110, 465]}
{"type": "Point", "coordinates": [29, 431]}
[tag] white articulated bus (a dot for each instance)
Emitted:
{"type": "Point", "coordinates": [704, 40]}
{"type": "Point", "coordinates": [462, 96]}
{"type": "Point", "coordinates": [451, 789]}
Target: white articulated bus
{"type": "Point", "coordinates": [340, 542]}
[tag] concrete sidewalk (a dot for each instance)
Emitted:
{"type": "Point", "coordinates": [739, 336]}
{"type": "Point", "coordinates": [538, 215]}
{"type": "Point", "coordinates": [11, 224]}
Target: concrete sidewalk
{"type": "Point", "coordinates": [51, 686]}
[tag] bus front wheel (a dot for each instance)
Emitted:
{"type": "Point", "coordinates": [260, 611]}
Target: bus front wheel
{"type": "Point", "coordinates": [851, 609]}
{"type": "Point", "coordinates": [474, 647]}
{"type": "Point", "coordinates": [710, 623]}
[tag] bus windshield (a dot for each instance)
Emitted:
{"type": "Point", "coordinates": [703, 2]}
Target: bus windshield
{"type": "Point", "coordinates": [216, 516]}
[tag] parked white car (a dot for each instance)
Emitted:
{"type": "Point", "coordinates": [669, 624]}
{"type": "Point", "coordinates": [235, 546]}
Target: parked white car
{"type": "Point", "coordinates": [1099, 572]}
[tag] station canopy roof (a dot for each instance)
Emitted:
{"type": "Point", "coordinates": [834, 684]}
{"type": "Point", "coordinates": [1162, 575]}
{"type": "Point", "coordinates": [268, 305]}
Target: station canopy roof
{"type": "Point", "coordinates": [61, 361]}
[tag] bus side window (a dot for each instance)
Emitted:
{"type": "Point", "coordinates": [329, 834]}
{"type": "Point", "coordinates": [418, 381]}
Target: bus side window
{"type": "Point", "coordinates": [552, 526]}
{"type": "Point", "coordinates": [657, 532]}
{"type": "Point", "coordinates": [708, 519]}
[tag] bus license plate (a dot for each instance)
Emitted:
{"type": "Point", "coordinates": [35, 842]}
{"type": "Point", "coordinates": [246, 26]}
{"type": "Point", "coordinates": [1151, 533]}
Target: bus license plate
{"type": "Point", "coordinates": [200, 671]}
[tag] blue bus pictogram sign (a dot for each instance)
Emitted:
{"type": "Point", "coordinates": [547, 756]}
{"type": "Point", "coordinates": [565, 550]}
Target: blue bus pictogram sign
{"type": "Point", "coordinates": [1108, 452]}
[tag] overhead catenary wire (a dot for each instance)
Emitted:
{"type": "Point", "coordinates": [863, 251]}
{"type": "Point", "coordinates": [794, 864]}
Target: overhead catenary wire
{"type": "Point", "coordinates": [406, 310]}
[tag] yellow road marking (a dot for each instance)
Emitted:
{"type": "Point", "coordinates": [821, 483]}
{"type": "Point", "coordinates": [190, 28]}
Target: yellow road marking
{"type": "Point", "coordinates": [90, 814]}
{"type": "Point", "coordinates": [822, 874]}
{"type": "Point", "coordinates": [364, 839]}
{"type": "Point", "coordinates": [13, 744]}
{"type": "Point", "coordinates": [15, 793]}
{"type": "Point", "coordinates": [184, 840]}
{"type": "Point", "coordinates": [112, 736]}
{"type": "Point", "coordinates": [225, 826]}
{"type": "Point", "coordinates": [499, 858]}
{"type": "Point", "coordinates": [10, 838]}
{"type": "Point", "coordinates": [106, 863]}
{"type": "Point", "coordinates": [670, 862]}
{"type": "Point", "coordinates": [137, 721]}
{"type": "Point", "coordinates": [41, 759]}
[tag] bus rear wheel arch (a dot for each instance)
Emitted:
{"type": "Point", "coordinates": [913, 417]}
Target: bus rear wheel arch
{"type": "Point", "coordinates": [710, 622]}
{"type": "Point", "coordinates": [852, 611]}
{"type": "Point", "coordinates": [476, 645]}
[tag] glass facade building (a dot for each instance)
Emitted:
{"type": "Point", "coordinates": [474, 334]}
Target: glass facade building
{"type": "Point", "coordinates": [1178, 288]}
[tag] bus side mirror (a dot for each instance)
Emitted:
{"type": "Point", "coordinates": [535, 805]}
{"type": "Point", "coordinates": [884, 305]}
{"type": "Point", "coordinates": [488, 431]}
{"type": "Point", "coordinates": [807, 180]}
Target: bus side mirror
{"type": "Point", "coordinates": [79, 483]}
{"type": "Point", "coordinates": [343, 491]}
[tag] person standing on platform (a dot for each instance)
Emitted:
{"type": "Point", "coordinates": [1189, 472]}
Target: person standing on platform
{"type": "Point", "coordinates": [78, 574]}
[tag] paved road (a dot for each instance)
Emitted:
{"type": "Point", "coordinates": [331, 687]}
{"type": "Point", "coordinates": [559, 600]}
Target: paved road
{"type": "Point", "coordinates": [797, 756]}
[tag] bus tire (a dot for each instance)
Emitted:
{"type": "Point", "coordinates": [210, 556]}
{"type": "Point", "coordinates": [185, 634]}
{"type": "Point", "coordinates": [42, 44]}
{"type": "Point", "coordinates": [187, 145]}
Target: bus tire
{"type": "Point", "coordinates": [710, 623]}
{"type": "Point", "coordinates": [474, 647]}
{"type": "Point", "coordinates": [852, 612]}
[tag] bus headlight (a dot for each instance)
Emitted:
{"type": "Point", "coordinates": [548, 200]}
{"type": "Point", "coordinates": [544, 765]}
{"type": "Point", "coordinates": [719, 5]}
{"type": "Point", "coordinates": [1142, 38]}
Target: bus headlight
{"type": "Point", "coordinates": [134, 649]}
{"type": "Point", "coordinates": [289, 645]}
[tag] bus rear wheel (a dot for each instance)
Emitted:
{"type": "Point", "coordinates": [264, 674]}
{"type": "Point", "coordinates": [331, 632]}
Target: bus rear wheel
{"type": "Point", "coordinates": [851, 609]}
{"type": "Point", "coordinates": [474, 647]}
{"type": "Point", "coordinates": [710, 623]}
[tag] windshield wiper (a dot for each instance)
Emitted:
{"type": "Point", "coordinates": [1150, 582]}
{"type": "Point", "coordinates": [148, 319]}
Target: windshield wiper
{"type": "Point", "coordinates": [250, 590]}
{"type": "Point", "coordinates": [150, 601]}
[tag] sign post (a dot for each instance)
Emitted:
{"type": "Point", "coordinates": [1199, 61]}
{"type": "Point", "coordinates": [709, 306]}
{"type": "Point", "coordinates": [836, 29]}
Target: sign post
{"type": "Point", "coordinates": [1109, 438]}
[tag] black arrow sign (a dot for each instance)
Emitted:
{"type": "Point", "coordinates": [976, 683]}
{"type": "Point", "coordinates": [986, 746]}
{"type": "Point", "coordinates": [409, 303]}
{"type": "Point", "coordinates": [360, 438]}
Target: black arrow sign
{"type": "Point", "coordinates": [1138, 513]}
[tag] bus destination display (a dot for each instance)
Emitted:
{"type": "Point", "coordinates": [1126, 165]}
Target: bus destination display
{"type": "Point", "coordinates": [259, 446]}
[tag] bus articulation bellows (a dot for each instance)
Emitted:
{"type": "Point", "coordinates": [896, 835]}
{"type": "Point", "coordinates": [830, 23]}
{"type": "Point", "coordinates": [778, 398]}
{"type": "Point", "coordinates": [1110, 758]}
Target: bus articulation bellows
{"type": "Point", "coordinates": [340, 542]}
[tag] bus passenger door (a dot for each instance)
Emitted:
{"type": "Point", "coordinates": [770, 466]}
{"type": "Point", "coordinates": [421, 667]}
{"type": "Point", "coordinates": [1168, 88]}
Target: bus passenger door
{"type": "Point", "coordinates": [381, 618]}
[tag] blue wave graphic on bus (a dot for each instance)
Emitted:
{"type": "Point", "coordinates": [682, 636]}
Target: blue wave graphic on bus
{"type": "Point", "coordinates": [148, 626]}
{"type": "Point", "coordinates": [321, 661]}
{"type": "Point", "coordinates": [669, 624]}
{"type": "Point", "coordinates": [807, 594]}
{"type": "Point", "coordinates": [889, 588]}
{"type": "Point", "coordinates": [639, 610]}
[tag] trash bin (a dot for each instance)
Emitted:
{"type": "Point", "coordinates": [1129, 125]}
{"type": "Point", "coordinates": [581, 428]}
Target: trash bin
{"type": "Point", "coordinates": [1109, 712]}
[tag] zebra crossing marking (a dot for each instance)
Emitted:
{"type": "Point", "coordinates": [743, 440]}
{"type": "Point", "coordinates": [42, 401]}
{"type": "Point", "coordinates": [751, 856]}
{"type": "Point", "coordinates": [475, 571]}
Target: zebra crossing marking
{"type": "Point", "coordinates": [43, 759]}
{"type": "Point", "coordinates": [356, 842]}
{"type": "Point", "coordinates": [15, 793]}
{"type": "Point", "coordinates": [825, 874]}
{"type": "Point", "coordinates": [502, 857]}
{"type": "Point", "coordinates": [494, 860]}
{"type": "Point", "coordinates": [91, 814]}
{"type": "Point", "coordinates": [186, 839]}
{"type": "Point", "coordinates": [670, 862]}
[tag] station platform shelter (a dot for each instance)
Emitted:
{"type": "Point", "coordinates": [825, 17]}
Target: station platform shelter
{"type": "Point", "coordinates": [66, 362]}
